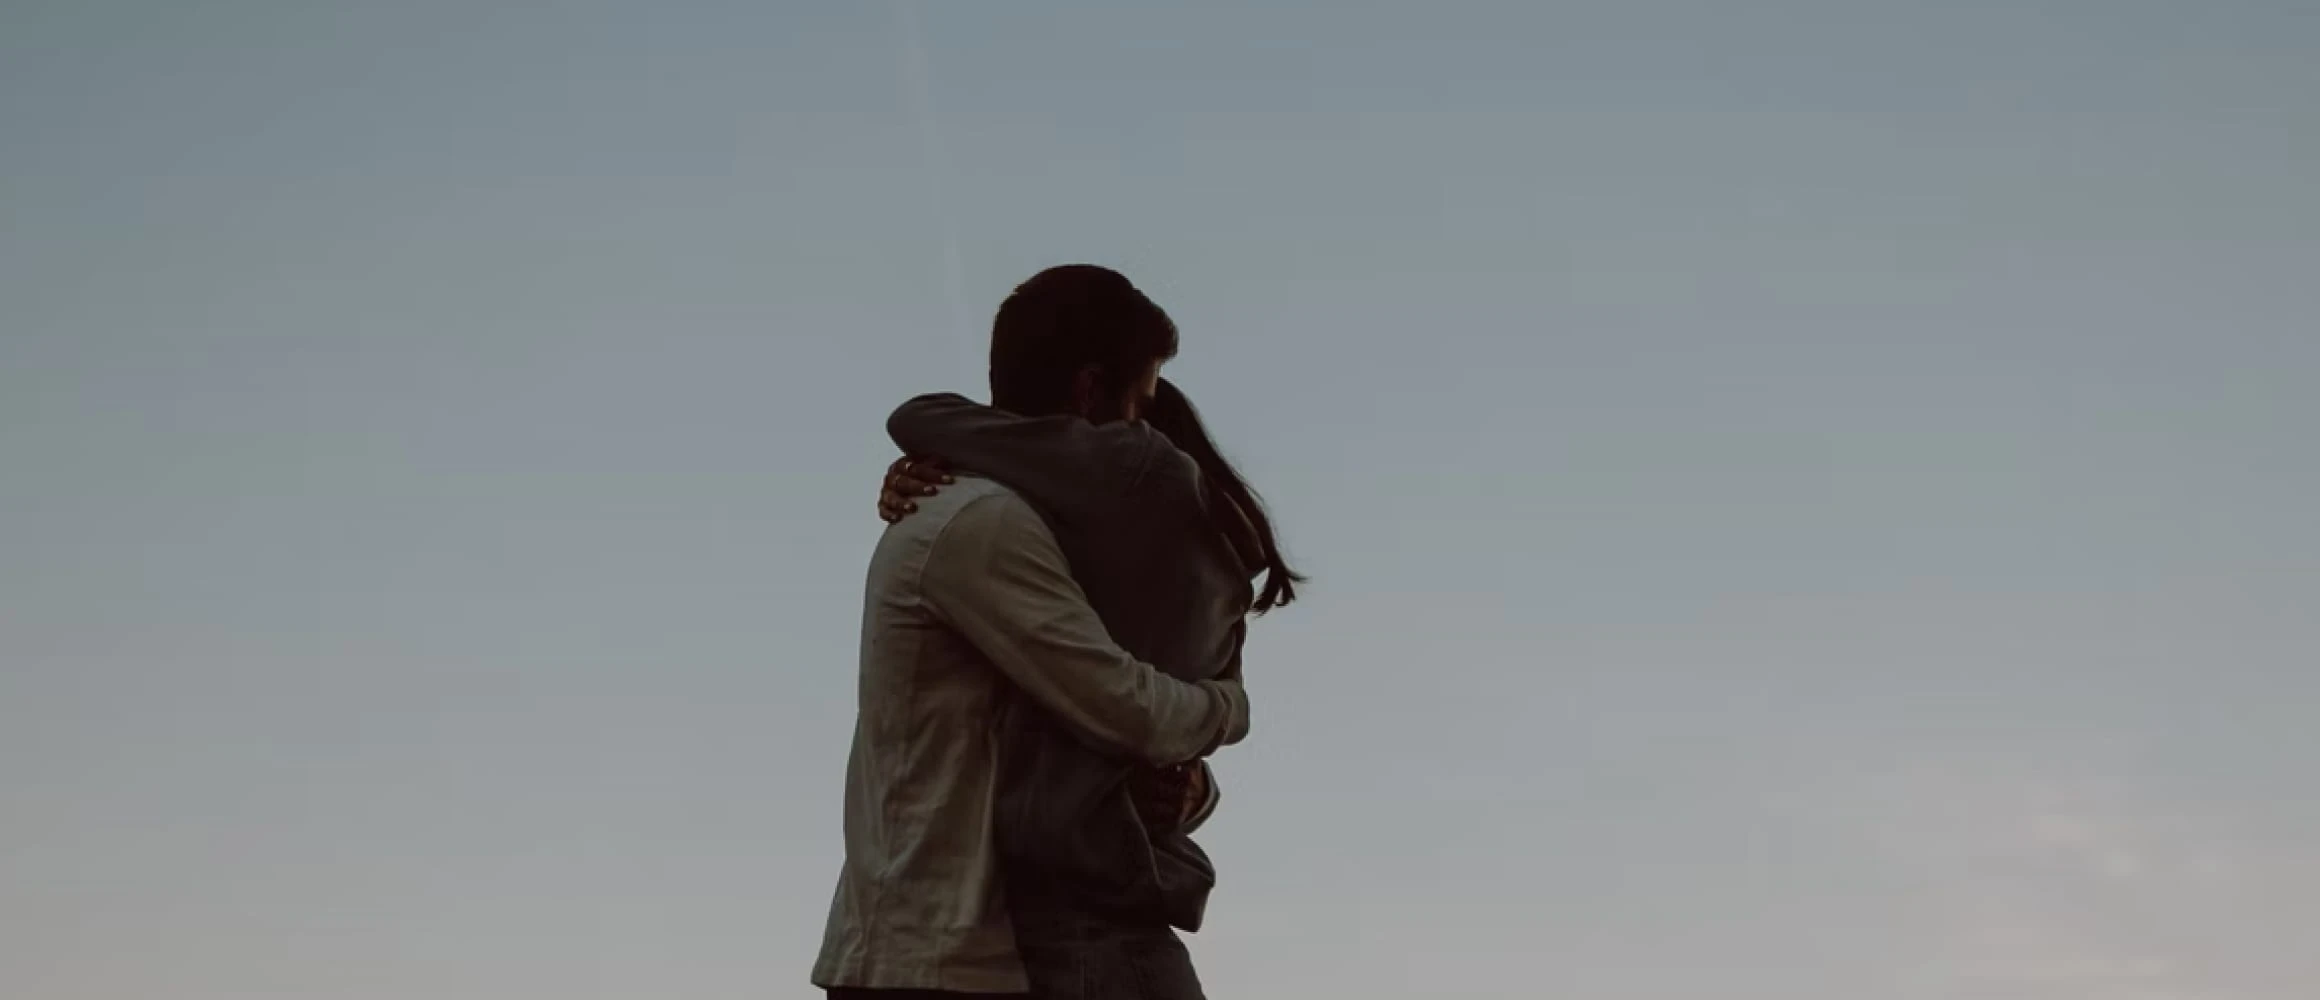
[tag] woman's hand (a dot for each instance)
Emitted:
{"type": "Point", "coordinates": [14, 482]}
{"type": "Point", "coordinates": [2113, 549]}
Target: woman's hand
{"type": "Point", "coordinates": [906, 479]}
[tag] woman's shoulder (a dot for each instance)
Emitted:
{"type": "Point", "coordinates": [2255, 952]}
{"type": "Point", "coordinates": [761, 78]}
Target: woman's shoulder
{"type": "Point", "coordinates": [1166, 477]}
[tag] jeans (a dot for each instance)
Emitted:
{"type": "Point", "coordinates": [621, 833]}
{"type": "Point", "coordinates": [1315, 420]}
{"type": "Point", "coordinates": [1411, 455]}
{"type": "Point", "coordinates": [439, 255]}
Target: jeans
{"type": "Point", "coordinates": [852, 993]}
{"type": "Point", "coordinates": [1071, 954]}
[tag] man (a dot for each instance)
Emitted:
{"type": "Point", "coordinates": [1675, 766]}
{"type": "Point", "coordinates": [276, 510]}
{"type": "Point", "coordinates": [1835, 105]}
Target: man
{"type": "Point", "coordinates": [970, 602]}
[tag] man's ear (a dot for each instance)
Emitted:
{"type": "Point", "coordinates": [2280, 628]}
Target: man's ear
{"type": "Point", "coordinates": [1087, 392]}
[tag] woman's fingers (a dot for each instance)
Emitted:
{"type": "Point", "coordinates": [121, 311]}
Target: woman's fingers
{"type": "Point", "coordinates": [905, 479]}
{"type": "Point", "coordinates": [918, 477]}
{"type": "Point", "coordinates": [892, 503]}
{"type": "Point", "coordinates": [893, 507]}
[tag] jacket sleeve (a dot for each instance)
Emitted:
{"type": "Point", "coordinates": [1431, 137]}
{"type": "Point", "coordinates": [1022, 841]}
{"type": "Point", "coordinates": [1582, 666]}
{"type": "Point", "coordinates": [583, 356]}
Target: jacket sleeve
{"type": "Point", "coordinates": [1062, 464]}
{"type": "Point", "coordinates": [1215, 795]}
{"type": "Point", "coordinates": [997, 576]}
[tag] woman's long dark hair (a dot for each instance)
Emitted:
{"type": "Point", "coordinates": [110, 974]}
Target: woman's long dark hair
{"type": "Point", "coordinates": [1173, 414]}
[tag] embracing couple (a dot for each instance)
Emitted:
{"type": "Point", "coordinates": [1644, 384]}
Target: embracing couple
{"type": "Point", "coordinates": [1051, 648]}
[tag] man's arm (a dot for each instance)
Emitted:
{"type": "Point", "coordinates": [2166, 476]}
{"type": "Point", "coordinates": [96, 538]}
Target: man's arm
{"type": "Point", "coordinates": [1204, 796]}
{"type": "Point", "coordinates": [997, 576]}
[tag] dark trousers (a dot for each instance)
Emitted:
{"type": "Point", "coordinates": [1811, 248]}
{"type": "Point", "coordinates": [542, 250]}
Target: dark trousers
{"type": "Point", "coordinates": [1073, 954]}
{"type": "Point", "coordinates": [850, 993]}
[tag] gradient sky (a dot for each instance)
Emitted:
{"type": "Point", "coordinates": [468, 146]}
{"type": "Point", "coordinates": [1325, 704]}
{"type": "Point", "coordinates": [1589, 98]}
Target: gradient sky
{"type": "Point", "coordinates": [1806, 500]}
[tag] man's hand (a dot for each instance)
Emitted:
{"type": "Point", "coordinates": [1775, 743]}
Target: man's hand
{"type": "Point", "coordinates": [906, 479]}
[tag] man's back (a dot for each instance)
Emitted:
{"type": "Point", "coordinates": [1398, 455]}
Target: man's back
{"type": "Point", "coordinates": [914, 817]}
{"type": "Point", "coordinates": [964, 600]}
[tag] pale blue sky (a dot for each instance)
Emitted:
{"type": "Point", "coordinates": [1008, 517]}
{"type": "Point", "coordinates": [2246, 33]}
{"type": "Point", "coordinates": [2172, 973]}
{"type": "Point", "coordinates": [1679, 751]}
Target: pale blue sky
{"type": "Point", "coordinates": [1806, 500]}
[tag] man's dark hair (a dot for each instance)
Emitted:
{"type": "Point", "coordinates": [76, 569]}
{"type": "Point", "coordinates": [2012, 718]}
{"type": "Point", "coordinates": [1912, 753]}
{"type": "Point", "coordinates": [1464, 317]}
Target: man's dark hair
{"type": "Point", "coordinates": [1068, 318]}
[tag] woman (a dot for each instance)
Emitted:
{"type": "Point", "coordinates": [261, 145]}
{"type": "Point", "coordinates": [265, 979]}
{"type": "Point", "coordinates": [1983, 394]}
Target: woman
{"type": "Point", "coordinates": [1100, 864]}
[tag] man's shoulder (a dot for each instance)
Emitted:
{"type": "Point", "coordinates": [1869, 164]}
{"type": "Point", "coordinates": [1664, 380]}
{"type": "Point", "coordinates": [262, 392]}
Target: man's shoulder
{"type": "Point", "coordinates": [952, 539]}
{"type": "Point", "coordinates": [972, 498]}
{"type": "Point", "coordinates": [973, 504]}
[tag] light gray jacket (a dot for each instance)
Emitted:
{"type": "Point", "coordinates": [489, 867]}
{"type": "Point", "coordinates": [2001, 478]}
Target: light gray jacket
{"type": "Point", "coordinates": [970, 604]}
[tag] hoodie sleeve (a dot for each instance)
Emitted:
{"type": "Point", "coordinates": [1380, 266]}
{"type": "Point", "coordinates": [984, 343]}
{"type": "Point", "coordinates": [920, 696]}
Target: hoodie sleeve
{"type": "Point", "coordinates": [1062, 464]}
